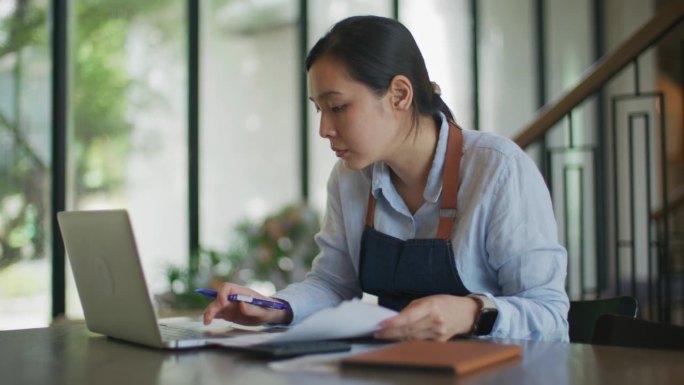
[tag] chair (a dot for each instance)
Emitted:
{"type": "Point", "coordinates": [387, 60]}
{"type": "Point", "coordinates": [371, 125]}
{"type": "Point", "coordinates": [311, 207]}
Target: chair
{"type": "Point", "coordinates": [583, 315]}
{"type": "Point", "coordinates": [619, 330]}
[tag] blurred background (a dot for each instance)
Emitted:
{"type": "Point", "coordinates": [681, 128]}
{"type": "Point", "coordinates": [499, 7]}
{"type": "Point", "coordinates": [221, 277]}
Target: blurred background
{"type": "Point", "coordinates": [193, 115]}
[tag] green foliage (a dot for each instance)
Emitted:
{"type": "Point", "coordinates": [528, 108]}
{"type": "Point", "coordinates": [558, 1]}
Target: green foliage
{"type": "Point", "coordinates": [279, 249]}
{"type": "Point", "coordinates": [99, 103]}
{"type": "Point", "coordinates": [23, 173]}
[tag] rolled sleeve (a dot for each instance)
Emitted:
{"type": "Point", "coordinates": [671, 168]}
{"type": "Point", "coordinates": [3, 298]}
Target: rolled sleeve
{"type": "Point", "coordinates": [333, 277]}
{"type": "Point", "coordinates": [529, 262]}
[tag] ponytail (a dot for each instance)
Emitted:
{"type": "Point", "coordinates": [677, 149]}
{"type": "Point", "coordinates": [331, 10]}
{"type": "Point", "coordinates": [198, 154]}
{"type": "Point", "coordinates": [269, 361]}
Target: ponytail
{"type": "Point", "coordinates": [438, 104]}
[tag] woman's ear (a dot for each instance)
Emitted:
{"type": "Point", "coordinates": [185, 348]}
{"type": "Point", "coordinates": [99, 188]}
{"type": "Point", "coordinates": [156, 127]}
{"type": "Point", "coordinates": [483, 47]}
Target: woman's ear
{"type": "Point", "coordinates": [401, 92]}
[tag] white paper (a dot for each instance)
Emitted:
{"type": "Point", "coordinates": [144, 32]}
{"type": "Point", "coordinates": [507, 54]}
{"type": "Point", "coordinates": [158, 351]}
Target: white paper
{"type": "Point", "coordinates": [350, 319]}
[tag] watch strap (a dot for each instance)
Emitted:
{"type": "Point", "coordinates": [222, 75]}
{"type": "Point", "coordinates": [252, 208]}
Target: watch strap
{"type": "Point", "coordinates": [486, 316]}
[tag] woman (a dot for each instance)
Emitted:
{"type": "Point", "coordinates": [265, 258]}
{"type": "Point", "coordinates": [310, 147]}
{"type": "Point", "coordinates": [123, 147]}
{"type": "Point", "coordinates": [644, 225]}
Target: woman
{"type": "Point", "coordinates": [453, 228]}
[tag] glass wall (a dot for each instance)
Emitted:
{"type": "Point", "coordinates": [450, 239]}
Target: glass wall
{"type": "Point", "coordinates": [443, 30]}
{"type": "Point", "coordinates": [249, 103]}
{"type": "Point", "coordinates": [507, 66]}
{"type": "Point", "coordinates": [631, 206]}
{"type": "Point", "coordinates": [127, 146]}
{"type": "Point", "coordinates": [569, 52]}
{"type": "Point", "coordinates": [25, 238]}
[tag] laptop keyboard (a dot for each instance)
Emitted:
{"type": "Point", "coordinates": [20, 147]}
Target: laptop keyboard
{"type": "Point", "coordinates": [173, 333]}
{"type": "Point", "coordinates": [281, 349]}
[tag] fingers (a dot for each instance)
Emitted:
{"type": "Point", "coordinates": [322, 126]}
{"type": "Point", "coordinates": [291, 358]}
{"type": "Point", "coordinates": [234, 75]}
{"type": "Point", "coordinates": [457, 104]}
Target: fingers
{"type": "Point", "coordinates": [215, 310]}
{"type": "Point", "coordinates": [413, 324]}
{"type": "Point", "coordinates": [240, 312]}
{"type": "Point", "coordinates": [438, 317]}
{"type": "Point", "coordinates": [221, 307]}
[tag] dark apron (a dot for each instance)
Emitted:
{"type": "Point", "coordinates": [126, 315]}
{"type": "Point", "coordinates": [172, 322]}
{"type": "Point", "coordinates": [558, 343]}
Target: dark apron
{"type": "Point", "coordinates": [399, 271]}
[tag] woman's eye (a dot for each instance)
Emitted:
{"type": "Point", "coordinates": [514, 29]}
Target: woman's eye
{"type": "Point", "coordinates": [338, 108]}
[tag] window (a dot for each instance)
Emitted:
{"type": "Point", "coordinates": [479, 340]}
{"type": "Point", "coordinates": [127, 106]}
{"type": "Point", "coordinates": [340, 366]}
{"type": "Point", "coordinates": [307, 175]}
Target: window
{"type": "Point", "coordinates": [25, 238]}
{"type": "Point", "coordinates": [443, 31]}
{"type": "Point", "coordinates": [249, 136]}
{"type": "Point", "coordinates": [127, 147]}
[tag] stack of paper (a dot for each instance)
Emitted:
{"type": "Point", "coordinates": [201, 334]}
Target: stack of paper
{"type": "Point", "coordinates": [348, 320]}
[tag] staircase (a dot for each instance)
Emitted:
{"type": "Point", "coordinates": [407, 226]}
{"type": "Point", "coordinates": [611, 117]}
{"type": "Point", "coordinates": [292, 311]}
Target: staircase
{"type": "Point", "coordinates": [619, 199]}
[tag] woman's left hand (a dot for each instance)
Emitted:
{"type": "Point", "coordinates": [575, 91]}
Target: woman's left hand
{"type": "Point", "coordinates": [436, 317]}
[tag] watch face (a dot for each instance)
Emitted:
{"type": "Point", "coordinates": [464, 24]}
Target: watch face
{"type": "Point", "coordinates": [485, 323]}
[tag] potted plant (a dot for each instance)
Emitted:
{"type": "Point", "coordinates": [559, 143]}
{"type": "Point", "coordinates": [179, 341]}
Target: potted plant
{"type": "Point", "coordinates": [277, 251]}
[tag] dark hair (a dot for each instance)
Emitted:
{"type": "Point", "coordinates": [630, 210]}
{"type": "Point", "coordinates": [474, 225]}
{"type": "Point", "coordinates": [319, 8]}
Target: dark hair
{"type": "Point", "coordinates": [376, 49]}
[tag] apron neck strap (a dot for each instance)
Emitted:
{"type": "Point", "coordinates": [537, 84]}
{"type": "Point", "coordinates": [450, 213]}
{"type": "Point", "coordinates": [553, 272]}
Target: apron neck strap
{"type": "Point", "coordinates": [450, 184]}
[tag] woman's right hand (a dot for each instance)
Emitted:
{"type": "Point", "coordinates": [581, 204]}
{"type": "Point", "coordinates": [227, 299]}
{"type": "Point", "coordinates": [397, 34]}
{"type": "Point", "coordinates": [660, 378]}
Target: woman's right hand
{"type": "Point", "coordinates": [241, 312]}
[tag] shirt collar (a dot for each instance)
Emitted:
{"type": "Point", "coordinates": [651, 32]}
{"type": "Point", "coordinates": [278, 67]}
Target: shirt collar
{"type": "Point", "coordinates": [381, 173]}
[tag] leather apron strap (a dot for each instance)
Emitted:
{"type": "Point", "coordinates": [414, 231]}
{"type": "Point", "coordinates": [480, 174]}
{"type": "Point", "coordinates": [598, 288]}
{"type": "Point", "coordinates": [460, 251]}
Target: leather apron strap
{"type": "Point", "coordinates": [450, 184]}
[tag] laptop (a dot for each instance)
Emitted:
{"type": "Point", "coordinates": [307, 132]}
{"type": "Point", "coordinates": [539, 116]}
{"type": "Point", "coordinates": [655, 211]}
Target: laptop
{"type": "Point", "coordinates": [110, 282]}
{"type": "Point", "coordinates": [116, 302]}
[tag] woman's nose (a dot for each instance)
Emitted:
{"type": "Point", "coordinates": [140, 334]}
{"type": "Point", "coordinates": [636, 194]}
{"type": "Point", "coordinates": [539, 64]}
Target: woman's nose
{"type": "Point", "coordinates": [325, 129]}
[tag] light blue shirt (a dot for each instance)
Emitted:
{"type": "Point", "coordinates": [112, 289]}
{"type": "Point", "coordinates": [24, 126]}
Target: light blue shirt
{"type": "Point", "coordinates": [505, 237]}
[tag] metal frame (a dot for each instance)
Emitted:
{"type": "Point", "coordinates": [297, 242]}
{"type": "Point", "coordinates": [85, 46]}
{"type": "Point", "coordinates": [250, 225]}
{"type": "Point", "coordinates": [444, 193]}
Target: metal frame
{"type": "Point", "coordinates": [60, 81]}
{"type": "Point", "coordinates": [588, 150]}
{"type": "Point", "coordinates": [662, 305]}
{"type": "Point", "coordinates": [600, 159]}
{"type": "Point", "coordinates": [540, 39]}
{"type": "Point", "coordinates": [475, 30]}
{"type": "Point", "coordinates": [193, 20]}
{"type": "Point", "coordinates": [303, 108]}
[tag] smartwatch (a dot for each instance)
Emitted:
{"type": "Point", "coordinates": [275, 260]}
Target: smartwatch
{"type": "Point", "coordinates": [485, 319]}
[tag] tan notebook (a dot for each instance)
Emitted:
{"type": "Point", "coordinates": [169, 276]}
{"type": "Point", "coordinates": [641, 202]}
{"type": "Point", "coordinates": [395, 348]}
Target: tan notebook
{"type": "Point", "coordinates": [460, 357]}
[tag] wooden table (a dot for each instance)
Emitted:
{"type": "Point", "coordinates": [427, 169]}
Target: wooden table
{"type": "Point", "coordinates": [70, 354]}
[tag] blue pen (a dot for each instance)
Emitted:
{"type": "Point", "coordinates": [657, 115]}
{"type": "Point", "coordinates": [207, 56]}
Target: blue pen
{"type": "Point", "coordinates": [246, 299]}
